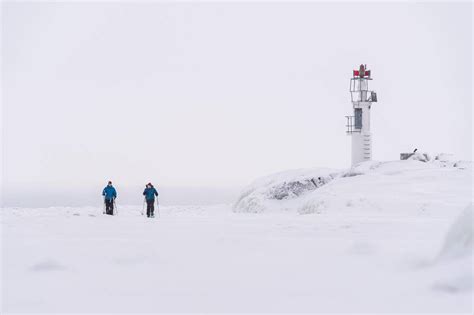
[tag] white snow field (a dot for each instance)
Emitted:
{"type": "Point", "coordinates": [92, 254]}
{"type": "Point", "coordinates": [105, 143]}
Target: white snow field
{"type": "Point", "coordinates": [385, 237]}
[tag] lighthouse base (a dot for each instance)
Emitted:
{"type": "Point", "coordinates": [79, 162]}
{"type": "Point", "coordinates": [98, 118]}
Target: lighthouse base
{"type": "Point", "coordinates": [361, 147]}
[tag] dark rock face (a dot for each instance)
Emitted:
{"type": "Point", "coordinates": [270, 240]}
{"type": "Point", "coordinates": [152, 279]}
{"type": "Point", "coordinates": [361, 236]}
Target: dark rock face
{"type": "Point", "coordinates": [293, 189]}
{"type": "Point", "coordinates": [423, 157]}
{"type": "Point", "coordinates": [271, 193]}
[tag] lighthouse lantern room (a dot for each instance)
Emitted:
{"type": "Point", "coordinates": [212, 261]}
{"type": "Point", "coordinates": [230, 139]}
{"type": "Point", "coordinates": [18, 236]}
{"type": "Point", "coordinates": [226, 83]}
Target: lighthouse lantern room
{"type": "Point", "coordinates": [358, 125]}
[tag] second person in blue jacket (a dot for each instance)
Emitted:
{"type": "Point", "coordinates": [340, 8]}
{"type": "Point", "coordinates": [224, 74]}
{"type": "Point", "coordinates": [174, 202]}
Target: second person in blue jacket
{"type": "Point", "coordinates": [109, 194]}
{"type": "Point", "coordinates": [150, 193]}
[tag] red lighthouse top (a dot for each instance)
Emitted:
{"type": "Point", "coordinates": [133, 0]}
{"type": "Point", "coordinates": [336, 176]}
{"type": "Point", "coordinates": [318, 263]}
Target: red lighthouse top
{"type": "Point", "coordinates": [362, 72]}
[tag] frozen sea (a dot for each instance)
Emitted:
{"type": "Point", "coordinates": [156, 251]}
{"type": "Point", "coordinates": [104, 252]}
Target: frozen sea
{"type": "Point", "coordinates": [382, 253]}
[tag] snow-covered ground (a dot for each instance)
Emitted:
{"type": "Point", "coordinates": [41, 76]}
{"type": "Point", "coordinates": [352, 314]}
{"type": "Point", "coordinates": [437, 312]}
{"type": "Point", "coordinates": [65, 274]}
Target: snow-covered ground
{"type": "Point", "coordinates": [391, 237]}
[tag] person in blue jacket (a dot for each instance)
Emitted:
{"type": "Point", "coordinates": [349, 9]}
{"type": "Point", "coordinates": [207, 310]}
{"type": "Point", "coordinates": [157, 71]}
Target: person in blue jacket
{"type": "Point", "coordinates": [150, 193]}
{"type": "Point", "coordinates": [109, 194]}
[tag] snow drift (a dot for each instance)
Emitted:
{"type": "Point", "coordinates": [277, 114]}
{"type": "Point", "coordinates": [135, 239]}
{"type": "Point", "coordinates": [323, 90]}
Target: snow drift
{"type": "Point", "coordinates": [454, 262]}
{"type": "Point", "coordinates": [458, 242]}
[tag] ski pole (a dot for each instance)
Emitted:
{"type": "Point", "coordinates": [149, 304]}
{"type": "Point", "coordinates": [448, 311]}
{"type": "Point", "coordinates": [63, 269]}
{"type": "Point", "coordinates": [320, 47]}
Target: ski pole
{"type": "Point", "coordinates": [103, 209]}
{"type": "Point", "coordinates": [158, 207]}
{"type": "Point", "coordinates": [143, 208]}
{"type": "Point", "coordinates": [115, 208]}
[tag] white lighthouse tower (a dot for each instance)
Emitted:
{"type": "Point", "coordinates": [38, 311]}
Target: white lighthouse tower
{"type": "Point", "coordinates": [358, 125]}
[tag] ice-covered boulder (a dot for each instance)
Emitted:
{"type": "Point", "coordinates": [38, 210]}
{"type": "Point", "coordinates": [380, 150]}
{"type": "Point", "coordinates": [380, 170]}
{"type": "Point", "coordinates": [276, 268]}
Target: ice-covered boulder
{"type": "Point", "coordinates": [274, 192]}
{"type": "Point", "coordinates": [445, 157]}
{"type": "Point", "coordinates": [440, 159]}
{"type": "Point", "coordinates": [417, 156]}
{"type": "Point", "coordinates": [463, 165]}
{"type": "Point", "coordinates": [407, 186]}
{"type": "Point", "coordinates": [450, 160]}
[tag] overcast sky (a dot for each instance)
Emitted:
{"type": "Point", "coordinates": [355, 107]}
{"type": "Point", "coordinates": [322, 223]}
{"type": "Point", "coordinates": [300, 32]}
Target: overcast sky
{"type": "Point", "coordinates": [216, 95]}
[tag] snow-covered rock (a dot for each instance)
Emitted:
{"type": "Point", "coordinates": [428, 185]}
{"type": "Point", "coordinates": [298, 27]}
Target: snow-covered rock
{"type": "Point", "coordinates": [440, 159]}
{"type": "Point", "coordinates": [450, 160]}
{"type": "Point", "coordinates": [275, 191]}
{"type": "Point", "coordinates": [445, 157]}
{"type": "Point", "coordinates": [409, 186]}
{"type": "Point", "coordinates": [422, 157]}
{"type": "Point", "coordinates": [463, 164]}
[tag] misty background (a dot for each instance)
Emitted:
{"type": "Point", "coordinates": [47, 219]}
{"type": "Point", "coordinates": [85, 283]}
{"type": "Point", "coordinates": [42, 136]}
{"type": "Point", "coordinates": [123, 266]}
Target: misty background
{"type": "Point", "coordinates": [202, 98]}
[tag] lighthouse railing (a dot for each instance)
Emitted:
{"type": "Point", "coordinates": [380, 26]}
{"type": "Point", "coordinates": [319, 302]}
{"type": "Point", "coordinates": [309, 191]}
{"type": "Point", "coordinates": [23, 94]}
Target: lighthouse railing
{"type": "Point", "coordinates": [351, 126]}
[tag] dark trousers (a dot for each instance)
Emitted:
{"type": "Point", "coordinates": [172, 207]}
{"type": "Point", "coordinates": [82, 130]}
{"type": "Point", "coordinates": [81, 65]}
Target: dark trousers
{"type": "Point", "coordinates": [109, 206]}
{"type": "Point", "coordinates": [150, 207]}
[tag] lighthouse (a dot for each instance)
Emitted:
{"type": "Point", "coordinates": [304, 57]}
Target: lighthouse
{"type": "Point", "coordinates": [358, 125]}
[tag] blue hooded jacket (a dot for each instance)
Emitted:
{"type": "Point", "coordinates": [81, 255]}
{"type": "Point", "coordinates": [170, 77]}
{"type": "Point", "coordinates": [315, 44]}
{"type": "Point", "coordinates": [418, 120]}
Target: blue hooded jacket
{"type": "Point", "coordinates": [109, 192]}
{"type": "Point", "coordinates": [150, 193]}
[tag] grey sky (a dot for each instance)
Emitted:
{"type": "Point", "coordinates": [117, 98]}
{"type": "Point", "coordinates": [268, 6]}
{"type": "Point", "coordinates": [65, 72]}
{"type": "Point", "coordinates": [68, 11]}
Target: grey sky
{"type": "Point", "coordinates": [215, 95]}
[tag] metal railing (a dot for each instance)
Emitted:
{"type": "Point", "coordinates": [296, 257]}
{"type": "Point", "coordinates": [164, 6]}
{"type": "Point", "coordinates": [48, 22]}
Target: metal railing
{"type": "Point", "coordinates": [351, 127]}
